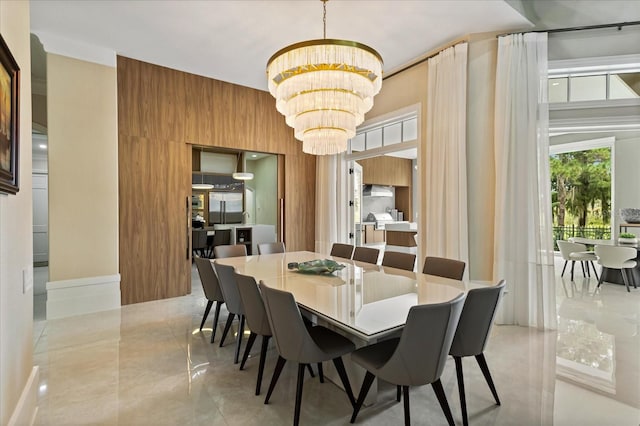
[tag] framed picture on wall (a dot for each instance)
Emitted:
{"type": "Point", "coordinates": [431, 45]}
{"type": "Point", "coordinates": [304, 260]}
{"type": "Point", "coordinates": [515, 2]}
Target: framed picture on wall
{"type": "Point", "coordinates": [9, 123]}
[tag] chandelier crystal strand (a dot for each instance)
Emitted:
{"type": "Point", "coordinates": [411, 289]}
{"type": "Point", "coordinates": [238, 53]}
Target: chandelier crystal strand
{"type": "Point", "coordinates": [324, 88]}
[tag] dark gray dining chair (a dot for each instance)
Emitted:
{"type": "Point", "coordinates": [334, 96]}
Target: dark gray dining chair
{"type": "Point", "coordinates": [221, 237]}
{"type": "Point", "coordinates": [237, 250]}
{"type": "Point", "coordinates": [472, 334]}
{"type": "Point", "coordinates": [344, 251]}
{"type": "Point", "coordinates": [396, 259]}
{"type": "Point", "coordinates": [199, 241]}
{"type": "Point", "coordinates": [212, 292]}
{"type": "Point", "coordinates": [271, 248]}
{"type": "Point", "coordinates": [257, 321]}
{"type": "Point", "coordinates": [416, 358]}
{"type": "Point", "coordinates": [444, 267]}
{"type": "Point", "coordinates": [227, 278]}
{"type": "Point", "coordinates": [366, 254]}
{"type": "Point", "coordinates": [295, 342]}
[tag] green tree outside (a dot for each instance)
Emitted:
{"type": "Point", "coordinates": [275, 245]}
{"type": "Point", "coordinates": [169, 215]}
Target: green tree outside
{"type": "Point", "coordinates": [581, 187]}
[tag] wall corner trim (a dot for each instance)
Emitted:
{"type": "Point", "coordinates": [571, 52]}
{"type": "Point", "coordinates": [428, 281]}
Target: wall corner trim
{"type": "Point", "coordinates": [63, 46]}
{"type": "Point", "coordinates": [80, 296]}
{"type": "Point", "coordinates": [27, 408]}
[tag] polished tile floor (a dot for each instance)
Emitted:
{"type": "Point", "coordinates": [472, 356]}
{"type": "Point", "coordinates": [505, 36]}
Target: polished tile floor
{"type": "Point", "coordinates": [147, 364]}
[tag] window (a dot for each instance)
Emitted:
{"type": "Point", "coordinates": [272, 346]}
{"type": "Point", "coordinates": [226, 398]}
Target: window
{"type": "Point", "coordinates": [594, 86]}
{"type": "Point", "coordinates": [624, 85]}
{"type": "Point", "coordinates": [390, 133]}
{"type": "Point", "coordinates": [588, 88]}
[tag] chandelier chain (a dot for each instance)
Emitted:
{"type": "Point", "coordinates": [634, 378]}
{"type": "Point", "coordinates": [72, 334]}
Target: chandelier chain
{"type": "Point", "coordinates": [324, 18]}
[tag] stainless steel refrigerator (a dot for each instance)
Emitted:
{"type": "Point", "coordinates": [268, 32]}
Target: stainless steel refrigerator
{"type": "Point", "coordinates": [225, 206]}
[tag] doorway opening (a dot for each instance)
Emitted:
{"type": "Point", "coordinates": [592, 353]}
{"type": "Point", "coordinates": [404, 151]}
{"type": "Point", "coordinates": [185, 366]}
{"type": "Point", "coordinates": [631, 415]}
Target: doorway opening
{"type": "Point", "coordinates": [238, 191]}
{"type": "Point", "coordinates": [383, 184]}
{"type": "Point", "coordinates": [581, 189]}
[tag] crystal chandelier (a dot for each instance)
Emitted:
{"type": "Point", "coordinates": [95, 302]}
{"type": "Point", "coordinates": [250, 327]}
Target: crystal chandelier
{"type": "Point", "coordinates": [323, 88]}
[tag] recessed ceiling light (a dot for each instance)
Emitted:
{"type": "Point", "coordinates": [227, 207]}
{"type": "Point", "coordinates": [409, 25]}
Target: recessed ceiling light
{"type": "Point", "coordinates": [42, 146]}
{"type": "Point", "coordinates": [254, 155]}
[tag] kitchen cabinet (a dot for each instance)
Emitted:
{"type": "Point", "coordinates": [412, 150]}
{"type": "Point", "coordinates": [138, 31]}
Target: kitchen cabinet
{"type": "Point", "coordinates": [391, 171]}
{"type": "Point", "coordinates": [250, 235]}
{"type": "Point", "coordinates": [385, 170]}
{"type": "Point", "coordinates": [372, 235]}
{"type": "Point", "coordinates": [243, 236]}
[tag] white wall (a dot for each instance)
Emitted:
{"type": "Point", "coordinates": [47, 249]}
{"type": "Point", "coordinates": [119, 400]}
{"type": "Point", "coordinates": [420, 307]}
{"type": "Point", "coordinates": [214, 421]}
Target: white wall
{"type": "Point", "coordinates": [265, 184]}
{"type": "Point", "coordinates": [17, 375]}
{"type": "Point", "coordinates": [626, 166]}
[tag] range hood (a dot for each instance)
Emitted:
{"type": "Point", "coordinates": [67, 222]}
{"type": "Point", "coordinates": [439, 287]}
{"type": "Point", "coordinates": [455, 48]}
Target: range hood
{"type": "Point", "coordinates": [377, 191]}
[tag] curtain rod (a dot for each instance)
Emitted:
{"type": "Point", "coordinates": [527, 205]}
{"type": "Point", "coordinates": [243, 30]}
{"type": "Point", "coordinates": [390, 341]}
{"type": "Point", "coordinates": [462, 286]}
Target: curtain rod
{"type": "Point", "coordinates": [618, 25]}
{"type": "Point", "coordinates": [429, 56]}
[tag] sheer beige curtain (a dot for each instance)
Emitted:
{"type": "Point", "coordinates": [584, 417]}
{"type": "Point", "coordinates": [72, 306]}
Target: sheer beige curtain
{"type": "Point", "coordinates": [445, 178]}
{"type": "Point", "coordinates": [523, 246]}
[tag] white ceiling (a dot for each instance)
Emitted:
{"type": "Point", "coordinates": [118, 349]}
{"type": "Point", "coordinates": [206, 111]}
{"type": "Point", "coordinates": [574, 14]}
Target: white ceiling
{"type": "Point", "coordinates": [232, 40]}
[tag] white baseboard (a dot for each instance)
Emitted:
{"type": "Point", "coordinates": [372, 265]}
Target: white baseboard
{"type": "Point", "coordinates": [27, 407]}
{"type": "Point", "coordinates": [82, 296]}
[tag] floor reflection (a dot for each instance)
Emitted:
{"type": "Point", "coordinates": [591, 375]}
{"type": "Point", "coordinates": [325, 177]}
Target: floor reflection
{"type": "Point", "coordinates": [597, 353]}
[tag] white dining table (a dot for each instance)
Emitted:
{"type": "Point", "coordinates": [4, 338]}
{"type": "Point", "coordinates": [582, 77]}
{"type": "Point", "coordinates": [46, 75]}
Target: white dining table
{"type": "Point", "coordinates": [365, 301]}
{"type": "Point", "coordinates": [362, 301]}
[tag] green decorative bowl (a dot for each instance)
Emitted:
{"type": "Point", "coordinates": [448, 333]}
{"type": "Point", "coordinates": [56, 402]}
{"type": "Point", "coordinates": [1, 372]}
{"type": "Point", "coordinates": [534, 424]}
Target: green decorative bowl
{"type": "Point", "coordinates": [326, 266]}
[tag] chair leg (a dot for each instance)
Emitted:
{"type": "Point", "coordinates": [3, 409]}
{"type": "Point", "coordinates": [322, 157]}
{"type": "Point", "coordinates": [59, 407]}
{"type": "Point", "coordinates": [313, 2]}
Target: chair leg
{"type": "Point", "coordinates": [407, 410]}
{"type": "Point", "coordinates": [227, 326]}
{"type": "Point", "coordinates": [463, 401]}
{"type": "Point", "coordinates": [296, 415]}
{"type": "Point", "coordinates": [274, 378]}
{"type": "Point", "coordinates": [364, 390]}
{"type": "Point", "coordinates": [320, 372]}
{"type": "Point", "coordinates": [625, 279]}
{"type": "Point", "coordinates": [311, 373]}
{"type": "Point", "coordinates": [345, 379]}
{"type": "Point", "coordinates": [398, 393]}
{"type": "Point", "coordinates": [482, 362]}
{"type": "Point", "coordinates": [631, 278]}
{"type": "Point", "coordinates": [573, 264]}
{"type": "Point", "coordinates": [564, 267]}
{"type": "Point", "coordinates": [599, 280]}
{"type": "Point", "coordinates": [215, 321]}
{"type": "Point", "coordinates": [247, 349]}
{"type": "Point", "coordinates": [263, 357]}
{"type": "Point", "coordinates": [442, 399]}
{"type": "Point", "coordinates": [206, 313]}
{"type": "Point", "coordinates": [584, 274]}
{"type": "Point", "coordinates": [239, 339]}
{"type": "Point", "coordinates": [595, 273]}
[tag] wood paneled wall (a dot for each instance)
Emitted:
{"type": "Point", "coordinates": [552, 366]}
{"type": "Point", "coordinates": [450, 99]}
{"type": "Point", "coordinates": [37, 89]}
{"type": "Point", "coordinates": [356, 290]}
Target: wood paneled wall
{"type": "Point", "coordinates": [161, 114]}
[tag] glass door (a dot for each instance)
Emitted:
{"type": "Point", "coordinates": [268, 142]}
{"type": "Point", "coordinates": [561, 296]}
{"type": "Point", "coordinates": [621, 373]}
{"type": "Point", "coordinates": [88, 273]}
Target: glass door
{"type": "Point", "coordinates": [355, 203]}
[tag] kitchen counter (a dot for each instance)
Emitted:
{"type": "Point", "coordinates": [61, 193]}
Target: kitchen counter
{"type": "Point", "coordinates": [401, 236]}
{"type": "Point", "coordinates": [250, 234]}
